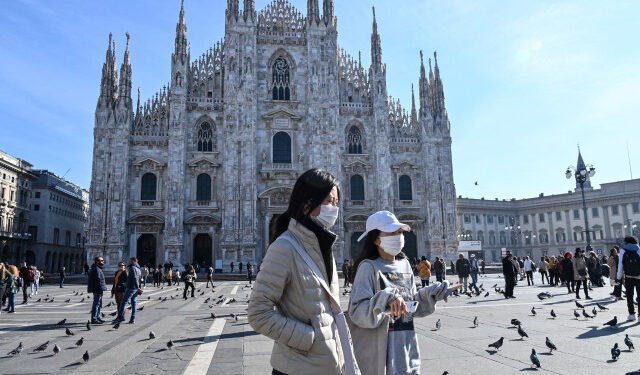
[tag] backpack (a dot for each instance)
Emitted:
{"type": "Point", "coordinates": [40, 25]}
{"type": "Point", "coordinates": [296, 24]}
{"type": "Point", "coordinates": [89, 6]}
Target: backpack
{"type": "Point", "coordinates": [631, 263]}
{"type": "Point", "coordinates": [30, 275]}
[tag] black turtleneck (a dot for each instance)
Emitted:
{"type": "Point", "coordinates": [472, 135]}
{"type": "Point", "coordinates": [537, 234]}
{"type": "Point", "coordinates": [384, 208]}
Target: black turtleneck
{"type": "Point", "coordinates": [326, 239]}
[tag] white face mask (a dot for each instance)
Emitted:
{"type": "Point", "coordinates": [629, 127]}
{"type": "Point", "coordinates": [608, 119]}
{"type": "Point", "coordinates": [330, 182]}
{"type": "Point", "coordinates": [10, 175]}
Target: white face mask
{"type": "Point", "coordinates": [327, 217]}
{"type": "Point", "coordinates": [392, 245]}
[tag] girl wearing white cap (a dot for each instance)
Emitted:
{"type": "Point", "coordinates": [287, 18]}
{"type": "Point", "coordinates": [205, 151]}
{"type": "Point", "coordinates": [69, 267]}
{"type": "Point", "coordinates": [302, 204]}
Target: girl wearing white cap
{"type": "Point", "coordinates": [384, 298]}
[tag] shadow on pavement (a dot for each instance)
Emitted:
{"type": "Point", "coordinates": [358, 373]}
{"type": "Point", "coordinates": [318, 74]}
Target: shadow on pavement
{"type": "Point", "coordinates": [606, 331]}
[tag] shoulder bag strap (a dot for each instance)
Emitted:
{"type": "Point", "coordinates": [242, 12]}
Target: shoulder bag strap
{"type": "Point", "coordinates": [351, 365]}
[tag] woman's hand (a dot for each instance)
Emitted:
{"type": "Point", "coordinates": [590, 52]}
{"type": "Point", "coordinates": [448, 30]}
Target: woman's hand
{"type": "Point", "coordinates": [452, 289]}
{"type": "Point", "coordinates": [398, 307]}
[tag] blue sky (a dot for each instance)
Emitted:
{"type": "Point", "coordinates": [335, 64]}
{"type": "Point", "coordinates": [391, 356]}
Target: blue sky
{"type": "Point", "coordinates": [524, 81]}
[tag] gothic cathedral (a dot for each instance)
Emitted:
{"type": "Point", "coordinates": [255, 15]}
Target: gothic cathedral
{"type": "Point", "coordinates": [200, 171]}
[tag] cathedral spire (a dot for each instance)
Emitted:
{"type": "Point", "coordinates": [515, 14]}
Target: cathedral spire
{"type": "Point", "coordinates": [438, 87]}
{"type": "Point", "coordinates": [249, 9]}
{"type": "Point", "coordinates": [423, 89]}
{"type": "Point", "coordinates": [109, 80]}
{"type": "Point", "coordinates": [138, 108]}
{"type": "Point", "coordinates": [414, 114]}
{"type": "Point", "coordinates": [376, 47]}
{"type": "Point", "coordinates": [327, 11]}
{"type": "Point", "coordinates": [125, 74]}
{"type": "Point", "coordinates": [181, 34]}
{"type": "Point", "coordinates": [313, 12]}
{"type": "Point", "coordinates": [232, 9]}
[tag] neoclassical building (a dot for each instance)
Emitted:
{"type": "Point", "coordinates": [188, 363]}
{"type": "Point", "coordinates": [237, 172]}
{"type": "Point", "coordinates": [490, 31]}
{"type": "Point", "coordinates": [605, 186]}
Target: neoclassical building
{"type": "Point", "coordinates": [201, 170]}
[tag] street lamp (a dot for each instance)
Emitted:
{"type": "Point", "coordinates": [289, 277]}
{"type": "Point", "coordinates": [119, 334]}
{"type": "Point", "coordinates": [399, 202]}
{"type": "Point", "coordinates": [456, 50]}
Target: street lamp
{"type": "Point", "coordinates": [582, 173]}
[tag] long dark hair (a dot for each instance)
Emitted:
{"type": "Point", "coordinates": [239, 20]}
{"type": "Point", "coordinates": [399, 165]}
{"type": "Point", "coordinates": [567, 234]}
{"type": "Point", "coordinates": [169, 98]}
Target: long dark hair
{"type": "Point", "coordinates": [369, 251]}
{"type": "Point", "coordinates": [310, 189]}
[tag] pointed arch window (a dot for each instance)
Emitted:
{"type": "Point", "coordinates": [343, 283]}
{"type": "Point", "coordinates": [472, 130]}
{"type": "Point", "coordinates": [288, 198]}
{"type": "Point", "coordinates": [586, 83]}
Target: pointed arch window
{"type": "Point", "coordinates": [205, 137]}
{"type": "Point", "coordinates": [357, 188]}
{"type": "Point", "coordinates": [404, 188]}
{"type": "Point", "coordinates": [282, 148]}
{"type": "Point", "coordinates": [280, 89]}
{"type": "Point", "coordinates": [148, 187]}
{"type": "Point", "coordinates": [203, 187]}
{"type": "Point", "coordinates": [354, 140]}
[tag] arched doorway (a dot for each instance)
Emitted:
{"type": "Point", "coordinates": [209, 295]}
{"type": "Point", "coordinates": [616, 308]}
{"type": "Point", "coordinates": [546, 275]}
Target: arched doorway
{"type": "Point", "coordinates": [31, 258]}
{"type": "Point", "coordinates": [356, 247]}
{"type": "Point", "coordinates": [202, 250]}
{"type": "Point", "coordinates": [47, 260]}
{"type": "Point", "coordinates": [54, 263]}
{"type": "Point", "coordinates": [146, 249]}
{"type": "Point", "coordinates": [410, 246]}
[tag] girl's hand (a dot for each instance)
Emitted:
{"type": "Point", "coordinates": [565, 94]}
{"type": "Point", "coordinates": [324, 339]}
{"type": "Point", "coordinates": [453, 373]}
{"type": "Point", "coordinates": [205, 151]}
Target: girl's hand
{"type": "Point", "coordinates": [453, 288]}
{"type": "Point", "coordinates": [398, 307]}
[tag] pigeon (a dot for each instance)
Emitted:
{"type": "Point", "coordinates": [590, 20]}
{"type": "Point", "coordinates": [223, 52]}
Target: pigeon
{"type": "Point", "coordinates": [17, 350]}
{"type": "Point", "coordinates": [575, 313]}
{"type": "Point", "coordinates": [534, 358]}
{"type": "Point", "coordinates": [602, 308]}
{"type": "Point", "coordinates": [42, 347]}
{"type": "Point", "coordinates": [103, 315]}
{"type": "Point", "coordinates": [207, 300]}
{"type": "Point", "coordinates": [522, 333]}
{"type": "Point", "coordinates": [85, 356]}
{"type": "Point", "coordinates": [495, 286]}
{"type": "Point", "coordinates": [533, 311]}
{"type": "Point", "coordinates": [62, 322]}
{"type": "Point", "coordinates": [594, 312]}
{"type": "Point", "coordinates": [56, 349]}
{"type": "Point", "coordinates": [550, 345]}
{"type": "Point", "coordinates": [615, 352]}
{"type": "Point", "coordinates": [68, 332]}
{"type": "Point", "coordinates": [148, 298]}
{"type": "Point", "coordinates": [113, 313]}
{"type": "Point", "coordinates": [613, 322]}
{"type": "Point", "coordinates": [88, 325]}
{"type": "Point", "coordinates": [553, 314]}
{"type": "Point", "coordinates": [116, 326]}
{"type": "Point", "coordinates": [497, 344]}
{"type": "Point", "coordinates": [51, 300]}
{"type": "Point", "coordinates": [579, 305]}
{"type": "Point", "coordinates": [152, 335]}
{"type": "Point", "coordinates": [515, 322]}
{"type": "Point", "coordinates": [475, 322]}
{"type": "Point", "coordinates": [170, 344]}
{"type": "Point", "coordinates": [80, 342]}
{"type": "Point", "coordinates": [68, 300]}
{"type": "Point", "coordinates": [140, 308]}
{"type": "Point", "coordinates": [211, 306]}
{"type": "Point", "coordinates": [39, 299]}
{"type": "Point", "coordinates": [213, 316]}
{"type": "Point", "coordinates": [438, 325]}
{"type": "Point", "coordinates": [584, 313]}
{"type": "Point", "coordinates": [628, 342]}
{"type": "Point", "coordinates": [486, 294]}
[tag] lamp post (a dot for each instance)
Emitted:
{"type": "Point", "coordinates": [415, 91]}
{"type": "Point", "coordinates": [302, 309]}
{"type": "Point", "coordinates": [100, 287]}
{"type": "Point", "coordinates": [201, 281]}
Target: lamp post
{"type": "Point", "coordinates": [633, 228]}
{"type": "Point", "coordinates": [582, 173]}
{"type": "Point", "coordinates": [515, 232]}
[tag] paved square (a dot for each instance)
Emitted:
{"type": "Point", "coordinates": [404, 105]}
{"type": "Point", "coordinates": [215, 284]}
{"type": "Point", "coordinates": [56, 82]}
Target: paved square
{"type": "Point", "coordinates": [203, 345]}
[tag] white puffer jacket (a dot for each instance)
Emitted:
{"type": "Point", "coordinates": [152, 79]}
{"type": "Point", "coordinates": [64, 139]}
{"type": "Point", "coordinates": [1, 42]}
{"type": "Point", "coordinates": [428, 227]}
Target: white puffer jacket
{"type": "Point", "coordinates": [289, 305]}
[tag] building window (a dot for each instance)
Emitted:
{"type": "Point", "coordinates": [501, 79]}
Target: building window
{"type": "Point", "coordinates": [525, 219]}
{"type": "Point", "coordinates": [280, 80]}
{"type": "Point", "coordinates": [56, 236]}
{"type": "Point", "coordinates": [67, 238]}
{"type": "Point", "coordinates": [490, 219]}
{"type": "Point", "coordinates": [404, 187]}
{"type": "Point", "coordinates": [205, 137]}
{"type": "Point", "coordinates": [615, 211]}
{"type": "Point", "coordinates": [480, 235]}
{"type": "Point", "coordinates": [500, 219]}
{"type": "Point", "coordinates": [282, 148]}
{"type": "Point", "coordinates": [503, 238]}
{"type": "Point", "coordinates": [354, 140]}
{"type": "Point", "coordinates": [594, 212]}
{"type": "Point", "coordinates": [357, 188]}
{"type": "Point", "coordinates": [558, 215]}
{"type": "Point", "coordinates": [148, 187]}
{"type": "Point", "coordinates": [37, 194]}
{"type": "Point", "coordinates": [33, 231]}
{"type": "Point", "coordinates": [541, 218]}
{"type": "Point", "coordinates": [203, 187]}
{"type": "Point", "coordinates": [78, 239]}
{"type": "Point", "coordinates": [544, 237]}
{"type": "Point", "coordinates": [477, 218]}
{"type": "Point", "coordinates": [467, 218]}
{"type": "Point", "coordinates": [492, 238]}
{"type": "Point", "coordinates": [36, 207]}
{"type": "Point", "coordinates": [635, 207]}
{"type": "Point", "coordinates": [576, 214]}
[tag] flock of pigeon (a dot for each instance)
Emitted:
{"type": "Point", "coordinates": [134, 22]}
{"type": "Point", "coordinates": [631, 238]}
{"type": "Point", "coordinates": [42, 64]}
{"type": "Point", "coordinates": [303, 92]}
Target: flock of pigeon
{"type": "Point", "coordinates": [221, 299]}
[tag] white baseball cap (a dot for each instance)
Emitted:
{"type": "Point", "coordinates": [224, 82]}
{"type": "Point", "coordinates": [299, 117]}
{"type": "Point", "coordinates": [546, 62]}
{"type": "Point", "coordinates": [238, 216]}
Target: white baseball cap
{"type": "Point", "coordinates": [383, 221]}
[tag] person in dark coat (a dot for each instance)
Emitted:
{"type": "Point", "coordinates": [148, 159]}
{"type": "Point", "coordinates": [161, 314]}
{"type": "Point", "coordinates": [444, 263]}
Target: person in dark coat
{"type": "Point", "coordinates": [97, 286]}
{"type": "Point", "coordinates": [567, 272]}
{"type": "Point", "coordinates": [464, 270]}
{"type": "Point", "coordinates": [510, 273]}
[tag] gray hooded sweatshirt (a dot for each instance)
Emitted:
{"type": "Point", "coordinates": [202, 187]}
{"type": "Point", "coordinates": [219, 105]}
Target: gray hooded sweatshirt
{"type": "Point", "coordinates": [384, 346]}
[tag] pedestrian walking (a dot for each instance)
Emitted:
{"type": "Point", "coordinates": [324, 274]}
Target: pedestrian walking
{"type": "Point", "coordinates": [27, 278]}
{"type": "Point", "coordinates": [189, 282]}
{"type": "Point", "coordinates": [567, 271]}
{"type": "Point", "coordinates": [96, 285]}
{"type": "Point", "coordinates": [543, 266]}
{"type": "Point", "coordinates": [483, 264]}
{"type": "Point", "coordinates": [424, 271]}
{"type": "Point", "coordinates": [176, 277]}
{"type": "Point", "coordinates": [438, 269]}
{"type": "Point", "coordinates": [613, 271]}
{"type": "Point", "coordinates": [528, 270]}
{"type": "Point", "coordinates": [387, 343]}
{"type": "Point", "coordinates": [580, 272]}
{"type": "Point", "coordinates": [240, 267]}
{"type": "Point", "coordinates": [145, 274]}
{"type": "Point", "coordinates": [119, 284]}
{"type": "Point", "coordinates": [6, 278]}
{"type": "Point", "coordinates": [510, 272]}
{"type": "Point", "coordinates": [346, 272]}
{"type": "Point", "coordinates": [231, 267]}
{"type": "Point", "coordinates": [209, 277]}
{"type": "Point", "coordinates": [553, 271]}
{"type": "Point", "coordinates": [453, 267]}
{"type": "Point", "coordinates": [475, 268]}
{"type": "Point", "coordinates": [629, 268]}
{"type": "Point", "coordinates": [36, 280]}
{"type": "Point", "coordinates": [249, 272]}
{"type": "Point", "coordinates": [594, 269]}
{"type": "Point", "coordinates": [63, 274]}
{"type": "Point", "coordinates": [298, 283]}
{"type": "Point", "coordinates": [131, 293]}
{"type": "Point", "coordinates": [86, 269]}
{"type": "Point", "coordinates": [169, 276]}
{"type": "Point", "coordinates": [13, 288]}
{"type": "Point", "coordinates": [463, 267]}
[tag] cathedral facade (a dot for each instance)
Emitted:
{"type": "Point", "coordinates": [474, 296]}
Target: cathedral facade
{"type": "Point", "coordinates": [200, 171]}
